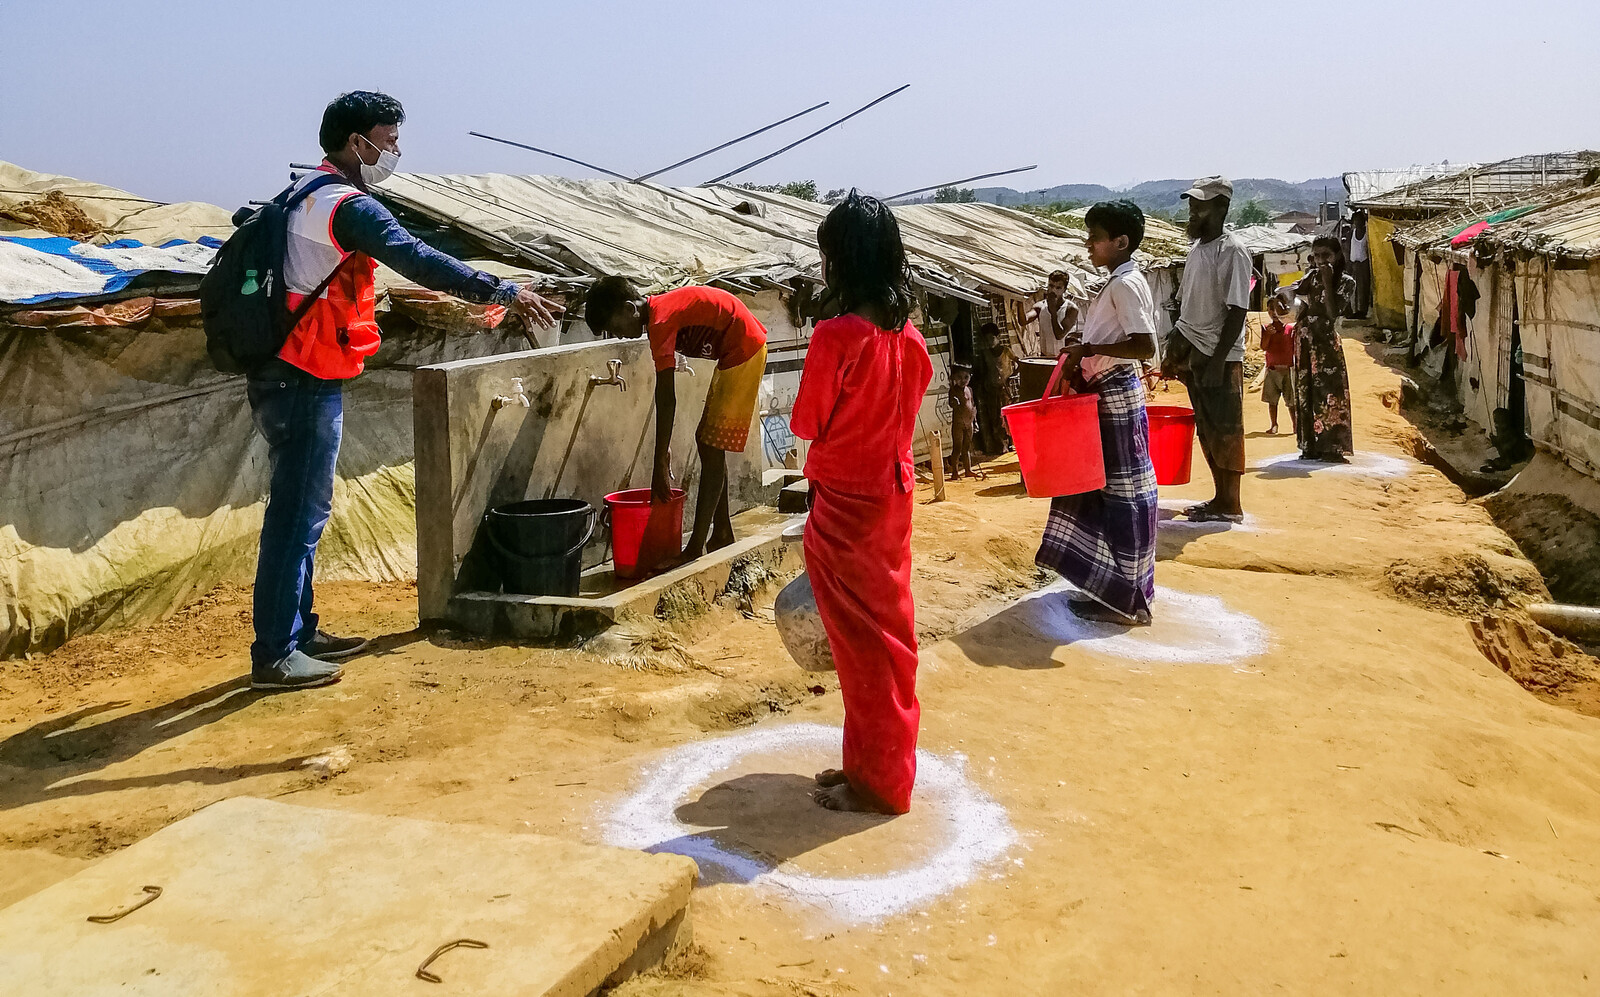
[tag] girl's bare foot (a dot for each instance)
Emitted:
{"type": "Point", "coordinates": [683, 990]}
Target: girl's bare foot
{"type": "Point", "coordinates": [842, 797]}
{"type": "Point", "coordinates": [832, 777]}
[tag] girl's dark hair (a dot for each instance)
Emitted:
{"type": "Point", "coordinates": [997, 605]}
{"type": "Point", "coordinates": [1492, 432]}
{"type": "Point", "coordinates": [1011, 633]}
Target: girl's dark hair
{"type": "Point", "coordinates": [1331, 243]}
{"type": "Point", "coordinates": [357, 112]}
{"type": "Point", "coordinates": [866, 259]}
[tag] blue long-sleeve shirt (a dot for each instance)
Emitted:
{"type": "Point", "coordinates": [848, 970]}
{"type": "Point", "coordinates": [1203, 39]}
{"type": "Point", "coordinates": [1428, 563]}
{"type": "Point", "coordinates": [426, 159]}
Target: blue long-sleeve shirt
{"type": "Point", "coordinates": [363, 225]}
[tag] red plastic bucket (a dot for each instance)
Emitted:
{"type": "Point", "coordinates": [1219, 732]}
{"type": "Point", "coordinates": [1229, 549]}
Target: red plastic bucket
{"type": "Point", "coordinates": [1058, 442]}
{"type": "Point", "coordinates": [1171, 443]}
{"type": "Point", "coordinates": [643, 533]}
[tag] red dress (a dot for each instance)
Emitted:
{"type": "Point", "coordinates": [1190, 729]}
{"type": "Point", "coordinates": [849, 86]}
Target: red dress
{"type": "Point", "coordinates": [858, 401]}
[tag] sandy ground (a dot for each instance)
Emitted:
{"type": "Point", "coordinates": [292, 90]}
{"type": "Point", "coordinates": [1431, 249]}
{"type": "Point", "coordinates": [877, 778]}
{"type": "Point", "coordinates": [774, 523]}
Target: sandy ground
{"type": "Point", "coordinates": [1306, 778]}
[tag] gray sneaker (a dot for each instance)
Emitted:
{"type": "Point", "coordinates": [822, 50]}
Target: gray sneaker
{"type": "Point", "coordinates": [297, 671]}
{"type": "Point", "coordinates": [326, 647]}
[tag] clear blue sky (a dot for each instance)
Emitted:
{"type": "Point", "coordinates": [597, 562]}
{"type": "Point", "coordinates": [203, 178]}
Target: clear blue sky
{"type": "Point", "coordinates": [210, 100]}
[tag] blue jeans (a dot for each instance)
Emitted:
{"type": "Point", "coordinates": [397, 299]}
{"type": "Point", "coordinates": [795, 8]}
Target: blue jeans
{"type": "Point", "coordinates": [302, 420]}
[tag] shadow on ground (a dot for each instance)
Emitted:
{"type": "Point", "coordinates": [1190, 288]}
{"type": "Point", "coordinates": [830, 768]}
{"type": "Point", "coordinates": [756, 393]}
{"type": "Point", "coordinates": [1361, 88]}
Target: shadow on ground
{"type": "Point", "coordinates": [769, 817]}
{"type": "Point", "coordinates": [1027, 634]}
{"type": "Point", "coordinates": [55, 758]}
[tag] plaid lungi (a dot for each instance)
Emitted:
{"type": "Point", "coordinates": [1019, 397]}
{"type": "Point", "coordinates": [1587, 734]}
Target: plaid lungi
{"type": "Point", "coordinates": [1104, 542]}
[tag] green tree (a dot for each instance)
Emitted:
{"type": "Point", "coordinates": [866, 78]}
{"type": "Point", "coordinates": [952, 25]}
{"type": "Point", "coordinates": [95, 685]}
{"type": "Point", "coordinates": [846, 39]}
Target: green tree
{"type": "Point", "coordinates": [954, 195]}
{"type": "Point", "coordinates": [805, 190]}
{"type": "Point", "coordinates": [1251, 213]}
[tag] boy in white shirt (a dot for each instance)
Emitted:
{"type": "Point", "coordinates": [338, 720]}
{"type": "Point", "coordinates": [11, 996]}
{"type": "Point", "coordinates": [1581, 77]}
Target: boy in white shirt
{"type": "Point", "coordinates": [1104, 542]}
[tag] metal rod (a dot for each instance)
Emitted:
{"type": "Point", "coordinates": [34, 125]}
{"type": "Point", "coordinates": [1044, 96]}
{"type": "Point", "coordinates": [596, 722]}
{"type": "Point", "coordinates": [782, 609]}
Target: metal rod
{"type": "Point", "coordinates": [741, 138]}
{"type": "Point", "coordinates": [82, 197]}
{"type": "Point", "coordinates": [791, 145]}
{"type": "Point", "coordinates": [557, 155]}
{"type": "Point", "coordinates": [956, 183]}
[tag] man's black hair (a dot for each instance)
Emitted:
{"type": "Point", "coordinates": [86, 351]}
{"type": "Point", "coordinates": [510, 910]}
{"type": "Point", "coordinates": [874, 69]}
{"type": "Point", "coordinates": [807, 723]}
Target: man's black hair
{"type": "Point", "coordinates": [866, 259]}
{"type": "Point", "coordinates": [358, 112]}
{"type": "Point", "coordinates": [605, 296]}
{"type": "Point", "coordinates": [989, 329]}
{"type": "Point", "coordinates": [1060, 275]}
{"type": "Point", "coordinates": [1114, 218]}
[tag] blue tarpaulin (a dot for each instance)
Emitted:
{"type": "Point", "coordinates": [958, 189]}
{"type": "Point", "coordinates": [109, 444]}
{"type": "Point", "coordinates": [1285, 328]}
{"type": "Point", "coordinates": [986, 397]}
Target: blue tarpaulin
{"type": "Point", "coordinates": [39, 270]}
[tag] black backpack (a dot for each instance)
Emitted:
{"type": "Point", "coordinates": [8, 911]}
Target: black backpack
{"type": "Point", "coordinates": [243, 300]}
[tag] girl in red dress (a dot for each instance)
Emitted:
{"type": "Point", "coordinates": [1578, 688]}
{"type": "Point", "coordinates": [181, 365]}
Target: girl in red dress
{"type": "Point", "coordinates": [865, 376]}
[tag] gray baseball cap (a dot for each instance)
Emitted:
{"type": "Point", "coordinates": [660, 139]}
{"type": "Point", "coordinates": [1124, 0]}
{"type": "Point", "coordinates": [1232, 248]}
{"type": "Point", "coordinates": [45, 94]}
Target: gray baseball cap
{"type": "Point", "coordinates": [1206, 188]}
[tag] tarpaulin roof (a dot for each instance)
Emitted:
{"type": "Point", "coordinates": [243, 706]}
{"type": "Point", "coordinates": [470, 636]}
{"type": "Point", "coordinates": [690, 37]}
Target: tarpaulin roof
{"type": "Point", "coordinates": [36, 270]}
{"type": "Point", "coordinates": [116, 213]}
{"type": "Point", "coordinates": [1269, 239]}
{"type": "Point", "coordinates": [664, 237]}
{"type": "Point", "coordinates": [1364, 184]}
{"type": "Point", "coordinates": [1483, 184]}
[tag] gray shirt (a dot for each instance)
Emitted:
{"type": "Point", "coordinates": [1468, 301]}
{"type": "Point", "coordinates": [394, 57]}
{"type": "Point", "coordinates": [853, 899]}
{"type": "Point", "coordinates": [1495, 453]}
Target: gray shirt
{"type": "Point", "coordinates": [1216, 277]}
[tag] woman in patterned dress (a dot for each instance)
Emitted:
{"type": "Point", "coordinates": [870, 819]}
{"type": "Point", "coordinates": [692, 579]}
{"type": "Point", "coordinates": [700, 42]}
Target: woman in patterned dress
{"type": "Point", "coordinates": [1322, 380]}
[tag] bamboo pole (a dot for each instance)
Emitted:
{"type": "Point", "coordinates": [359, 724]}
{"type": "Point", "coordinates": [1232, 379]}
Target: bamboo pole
{"type": "Point", "coordinates": [936, 461]}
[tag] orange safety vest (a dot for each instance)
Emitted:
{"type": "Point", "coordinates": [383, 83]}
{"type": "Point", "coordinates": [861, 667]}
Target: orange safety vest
{"type": "Point", "coordinates": [339, 330]}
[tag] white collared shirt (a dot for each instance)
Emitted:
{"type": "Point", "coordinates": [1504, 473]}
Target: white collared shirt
{"type": "Point", "coordinates": [1124, 308]}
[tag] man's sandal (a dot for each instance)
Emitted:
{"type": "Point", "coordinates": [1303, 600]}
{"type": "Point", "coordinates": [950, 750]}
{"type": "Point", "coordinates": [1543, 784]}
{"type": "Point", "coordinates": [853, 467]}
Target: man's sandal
{"type": "Point", "coordinates": [1204, 514]}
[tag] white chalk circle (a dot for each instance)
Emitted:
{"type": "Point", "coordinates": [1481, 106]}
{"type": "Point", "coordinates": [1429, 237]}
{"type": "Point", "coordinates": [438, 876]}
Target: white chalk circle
{"type": "Point", "coordinates": [977, 831]}
{"type": "Point", "coordinates": [1365, 463]}
{"type": "Point", "coordinates": [1185, 628]}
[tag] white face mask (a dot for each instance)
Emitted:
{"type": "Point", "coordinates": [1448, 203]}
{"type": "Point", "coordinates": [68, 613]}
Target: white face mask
{"type": "Point", "coordinates": [383, 169]}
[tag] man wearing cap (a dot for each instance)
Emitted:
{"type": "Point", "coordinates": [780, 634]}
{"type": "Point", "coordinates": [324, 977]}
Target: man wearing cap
{"type": "Point", "coordinates": [1208, 354]}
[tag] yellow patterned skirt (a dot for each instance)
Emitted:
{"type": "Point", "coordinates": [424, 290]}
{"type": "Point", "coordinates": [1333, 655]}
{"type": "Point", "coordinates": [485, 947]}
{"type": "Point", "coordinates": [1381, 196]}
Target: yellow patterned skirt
{"type": "Point", "coordinates": [731, 403]}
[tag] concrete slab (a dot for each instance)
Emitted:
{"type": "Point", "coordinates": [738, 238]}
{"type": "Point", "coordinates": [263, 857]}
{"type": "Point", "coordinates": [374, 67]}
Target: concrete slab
{"type": "Point", "coordinates": [600, 604]}
{"type": "Point", "coordinates": [265, 898]}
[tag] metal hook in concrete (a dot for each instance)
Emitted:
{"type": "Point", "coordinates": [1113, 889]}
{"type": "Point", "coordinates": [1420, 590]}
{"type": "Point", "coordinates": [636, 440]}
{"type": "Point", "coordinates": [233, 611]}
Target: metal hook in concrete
{"type": "Point", "coordinates": [151, 893]}
{"type": "Point", "coordinates": [459, 943]}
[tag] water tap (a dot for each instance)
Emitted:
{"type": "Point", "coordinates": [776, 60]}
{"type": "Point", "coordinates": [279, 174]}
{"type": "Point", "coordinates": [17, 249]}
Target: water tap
{"type": "Point", "coordinates": [615, 377]}
{"type": "Point", "coordinates": [517, 396]}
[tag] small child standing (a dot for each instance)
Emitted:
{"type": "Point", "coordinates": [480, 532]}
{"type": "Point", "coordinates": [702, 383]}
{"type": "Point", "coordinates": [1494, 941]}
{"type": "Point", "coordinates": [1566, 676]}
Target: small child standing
{"type": "Point", "coordinates": [1277, 342]}
{"type": "Point", "coordinates": [963, 415]}
{"type": "Point", "coordinates": [1104, 542]}
{"type": "Point", "coordinates": [865, 374]}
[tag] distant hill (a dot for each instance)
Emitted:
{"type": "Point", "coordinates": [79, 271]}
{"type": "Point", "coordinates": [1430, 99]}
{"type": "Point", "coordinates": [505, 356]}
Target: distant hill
{"type": "Point", "coordinates": [1163, 195]}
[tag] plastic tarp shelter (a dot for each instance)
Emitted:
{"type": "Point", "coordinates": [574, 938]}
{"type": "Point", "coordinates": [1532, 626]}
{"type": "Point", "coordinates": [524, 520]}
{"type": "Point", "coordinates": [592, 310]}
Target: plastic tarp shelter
{"type": "Point", "coordinates": [120, 214]}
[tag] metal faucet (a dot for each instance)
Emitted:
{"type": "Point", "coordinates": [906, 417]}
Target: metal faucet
{"type": "Point", "coordinates": [615, 377]}
{"type": "Point", "coordinates": [517, 396]}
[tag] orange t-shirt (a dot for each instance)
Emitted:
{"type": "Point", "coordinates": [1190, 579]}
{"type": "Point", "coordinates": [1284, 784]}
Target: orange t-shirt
{"type": "Point", "coordinates": [703, 322]}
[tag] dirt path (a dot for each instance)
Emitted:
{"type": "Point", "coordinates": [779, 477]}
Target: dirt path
{"type": "Point", "coordinates": [1305, 777]}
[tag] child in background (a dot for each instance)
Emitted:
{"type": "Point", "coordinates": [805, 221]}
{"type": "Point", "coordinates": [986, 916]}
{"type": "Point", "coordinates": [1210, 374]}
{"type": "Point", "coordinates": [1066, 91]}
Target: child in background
{"type": "Point", "coordinates": [963, 415]}
{"type": "Point", "coordinates": [991, 367]}
{"type": "Point", "coordinates": [1277, 342]}
{"type": "Point", "coordinates": [698, 322]}
{"type": "Point", "coordinates": [1104, 542]}
{"type": "Point", "coordinates": [864, 378]}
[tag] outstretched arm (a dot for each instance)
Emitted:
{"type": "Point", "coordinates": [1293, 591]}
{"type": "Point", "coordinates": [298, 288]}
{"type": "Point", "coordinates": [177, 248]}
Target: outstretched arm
{"type": "Point", "coordinates": [361, 224]}
{"type": "Point", "coordinates": [666, 409]}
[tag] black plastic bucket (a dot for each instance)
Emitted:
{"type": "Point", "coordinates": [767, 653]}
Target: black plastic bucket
{"type": "Point", "coordinates": [539, 543]}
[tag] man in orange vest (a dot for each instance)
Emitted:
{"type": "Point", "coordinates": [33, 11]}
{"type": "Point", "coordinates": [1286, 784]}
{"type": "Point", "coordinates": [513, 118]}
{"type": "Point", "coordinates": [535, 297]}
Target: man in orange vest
{"type": "Point", "coordinates": [298, 397]}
